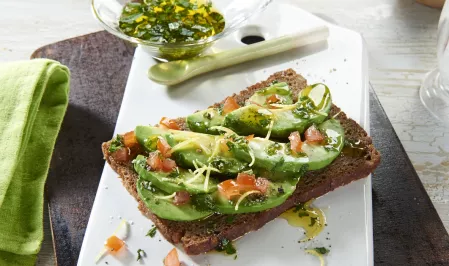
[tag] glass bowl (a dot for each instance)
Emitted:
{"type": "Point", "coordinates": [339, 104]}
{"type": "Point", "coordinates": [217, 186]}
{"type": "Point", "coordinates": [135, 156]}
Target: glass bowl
{"type": "Point", "coordinates": [235, 12]}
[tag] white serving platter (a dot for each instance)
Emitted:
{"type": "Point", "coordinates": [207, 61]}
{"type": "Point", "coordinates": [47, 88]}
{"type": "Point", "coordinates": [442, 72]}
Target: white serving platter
{"type": "Point", "coordinates": [341, 63]}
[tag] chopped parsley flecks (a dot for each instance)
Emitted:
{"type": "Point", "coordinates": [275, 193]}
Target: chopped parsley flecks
{"type": "Point", "coordinates": [116, 144]}
{"type": "Point", "coordinates": [140, 253]}
{"type": "Point", "coordinates": [226, 246]}
{"type": "Point", "coordinates": [152, 232]}
{"type": "Point", "coordinates": [322, 250]}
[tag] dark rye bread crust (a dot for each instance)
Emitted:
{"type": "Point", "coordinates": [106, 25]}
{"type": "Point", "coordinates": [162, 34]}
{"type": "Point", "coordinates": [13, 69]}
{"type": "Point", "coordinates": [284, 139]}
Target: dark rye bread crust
{"type": "Point", "coordinates": [202, 236]}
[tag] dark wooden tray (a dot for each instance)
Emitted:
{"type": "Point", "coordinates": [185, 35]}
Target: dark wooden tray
{"type": "Point", "coordinates": [407, 229]}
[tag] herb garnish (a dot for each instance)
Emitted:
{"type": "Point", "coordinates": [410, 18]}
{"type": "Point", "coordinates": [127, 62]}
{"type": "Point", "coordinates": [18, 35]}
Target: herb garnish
{"type": "Point", "coordinates": [226, 246]}
{"type": "Point", "coordinates": [175, 173]}
{"type": "Point", "coordinates": [281, 190]}
{"type": "Point", "coordinates": [170, 21]}
{"type": "Point", "coordinates": [273, 148]}
{"type": "Point", "coordinates": [152, 232]}
{"type": "Point", "coordinates": [140, 253]}
{"type": "Point", "coordinates": [322, 250]}
{"type": "Point", "coordinates": [116, 144]}
{"type": "Point", "coordinates": [313, 221]}
{"type": "Point", "coordinates": [278, 164]}
{"type": "Point", "coordinates": [302, 214]}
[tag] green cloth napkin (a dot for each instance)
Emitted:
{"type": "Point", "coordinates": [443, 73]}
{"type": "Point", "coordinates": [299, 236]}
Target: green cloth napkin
{"type": "Point", "coordinates": [33, 100]}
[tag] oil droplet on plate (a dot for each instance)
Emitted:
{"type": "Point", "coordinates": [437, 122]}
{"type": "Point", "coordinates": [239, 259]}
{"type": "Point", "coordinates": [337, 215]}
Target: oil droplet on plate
{"type": "Point", "coordinates": [311, 219]}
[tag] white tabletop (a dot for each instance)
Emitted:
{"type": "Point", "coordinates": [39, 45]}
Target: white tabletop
{"type": "Point", "coordinates": [401, 37]}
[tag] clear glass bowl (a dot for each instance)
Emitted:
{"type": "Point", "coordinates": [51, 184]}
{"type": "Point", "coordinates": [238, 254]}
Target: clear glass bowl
{"type": "Point", "coordinates": [235, 12]}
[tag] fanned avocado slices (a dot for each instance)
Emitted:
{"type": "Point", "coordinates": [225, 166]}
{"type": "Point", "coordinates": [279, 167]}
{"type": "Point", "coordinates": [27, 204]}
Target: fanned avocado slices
{"type": "Point", "coordinates": [222, 151]}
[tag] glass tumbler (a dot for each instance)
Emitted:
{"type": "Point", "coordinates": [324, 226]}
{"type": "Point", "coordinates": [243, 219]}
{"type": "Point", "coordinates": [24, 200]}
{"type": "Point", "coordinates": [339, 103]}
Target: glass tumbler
{"type": "Point", "coordinates": [434, 91]}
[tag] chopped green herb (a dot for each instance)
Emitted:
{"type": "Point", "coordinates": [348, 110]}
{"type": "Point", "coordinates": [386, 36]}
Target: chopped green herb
{"type": "Point", "coordinates": [175, 173]}
{"type": "Point", "coordinates": [207, 115]}
{"type": "Point", "coordinates": [140, 253]}
{"type": "Point", "coordinates": [170, 21]}
{"type": "Point", "coordinates": [281, 190]}
{"type": "Point", "coordinates": [313, 221]}
{"type": "Point", "coordinates": [226, 246]}
{"type": "Point", "coordinates": [273, 148]}
{"type": "Point", "coordinates": [116, 144]}
{"type": "Point", "coordinates": [264, 122]}
{"type": "Point", "coordinates": [152, 232]}
{"type": "Point", "coordinates": [278, 164]}
{"type": "Point", "coordinates": [299, 207]}
{"type": "Point", "coordinates": [302, 213]}
{"type": "Point", "coordinates": [322, 250]}
{"type": "Point", "coordinates": [235, 257]}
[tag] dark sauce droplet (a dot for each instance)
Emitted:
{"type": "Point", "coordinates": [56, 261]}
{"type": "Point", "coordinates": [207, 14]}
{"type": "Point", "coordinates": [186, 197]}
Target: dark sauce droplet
{"type": "Point", "coordinates": [354, 148]}
{"type": "Point", "coordinates": [252, 39]}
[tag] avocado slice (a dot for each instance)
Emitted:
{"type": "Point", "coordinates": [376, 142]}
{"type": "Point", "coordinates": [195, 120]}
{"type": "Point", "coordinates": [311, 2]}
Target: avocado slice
{"type": "Point", "coordinates": [191, 149]}
{"type": "Point", "coordinates": [202, 121]}
{"type": "Point", "coordinates": [312, 107]}
{"type": "Point", "coordinates": [278, 157]}
{"type": "Point", "coordinates": [277, 193]}
{"type": "Point", "coordinates": [178, 180]}
{"type": "Point", "coordinates": [160, 203]}
{"type": "Point", "coordinates": [280, 90]}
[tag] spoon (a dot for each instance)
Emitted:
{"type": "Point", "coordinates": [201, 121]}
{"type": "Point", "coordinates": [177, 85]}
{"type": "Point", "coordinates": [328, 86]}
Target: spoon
{"type": "Point", "coordinates": [174, 72]}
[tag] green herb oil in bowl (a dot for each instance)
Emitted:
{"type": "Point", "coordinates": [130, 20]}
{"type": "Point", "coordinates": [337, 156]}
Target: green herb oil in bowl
{"type": "Point", "coordinates": [172, 21]}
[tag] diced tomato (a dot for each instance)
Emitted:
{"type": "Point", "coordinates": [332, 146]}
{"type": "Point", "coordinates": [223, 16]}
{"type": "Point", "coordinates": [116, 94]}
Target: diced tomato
{"type": "Point", "coordinates": [154, 161]}
{"type": "Point", "coordinates": [250, 137]}
{"type": "Point", "coordinates": [230, 105]}
{"type": "Point", "coordinates": [122, 155]}
{"type": "Point", "coordinates": [130, 140]}
{"type": "Point", "coordinates": [272, 99]}
{"type": "Point", "coordinates": [181, 198]}
{"type": "Point", "coordinates": [157, 162]}
{"type": "Point", "coordinates": [295, 141]}
{"type": "Point", "coordinates": [163, 147]}
{"type": "Point", "coordinates": [168, 165]}
{"type": "Point", "coordinates": [172, 258]}
{"type": "Point", "coordinates": [262, 184]}
{"type": "Point", "coordinates": [246, 182]}
{"type": "Point", "coordinates": [313, 135]}
{"type": "Point", "coordinates": [228, 188]}
{"type": "Point", "coordinates": [114, 244]}
{"type": "Point", "coordinates": [169, 123]}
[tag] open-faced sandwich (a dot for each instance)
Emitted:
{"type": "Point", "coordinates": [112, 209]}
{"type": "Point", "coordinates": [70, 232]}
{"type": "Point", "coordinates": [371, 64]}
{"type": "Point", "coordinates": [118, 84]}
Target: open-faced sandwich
{"type": "Point", "coordinates": [225, 171]}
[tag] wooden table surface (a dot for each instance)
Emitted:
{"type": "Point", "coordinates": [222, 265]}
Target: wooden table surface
{"type": "Point", "coordinates": [401, 38]}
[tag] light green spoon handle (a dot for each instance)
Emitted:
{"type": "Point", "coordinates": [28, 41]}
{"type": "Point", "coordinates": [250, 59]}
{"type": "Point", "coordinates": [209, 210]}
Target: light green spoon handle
{"type": "Point", "coordinates": [174, 72]}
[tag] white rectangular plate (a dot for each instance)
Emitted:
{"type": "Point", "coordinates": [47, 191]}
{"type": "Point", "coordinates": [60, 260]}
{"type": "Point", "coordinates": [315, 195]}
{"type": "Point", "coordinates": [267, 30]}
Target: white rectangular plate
{"type": "Point", "coordinates": [341, 63]}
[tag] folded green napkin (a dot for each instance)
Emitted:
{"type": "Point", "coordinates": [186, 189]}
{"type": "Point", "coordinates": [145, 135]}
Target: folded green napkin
{"type": "Point", "coordinates": [33, 100]}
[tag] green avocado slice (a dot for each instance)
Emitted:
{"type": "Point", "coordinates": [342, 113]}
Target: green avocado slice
{"type": "Point", "coordinates": [164, 207]}
{"type": "Point", "coordinates": [202, 121]}
{"type": "Point", "coordinates": [178, 180]}
{"type": "Point", "coordinates": [277, 193]}
{"type": "Point", "coordinates": [278, 158]}
{"type": "Point", "coordinates": [312, 107]}
{"type": "Point", "coordinates": [279, 89]}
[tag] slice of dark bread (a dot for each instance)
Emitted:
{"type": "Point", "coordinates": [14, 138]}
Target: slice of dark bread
{"type": "Point", "coordinates": [201, 236]}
